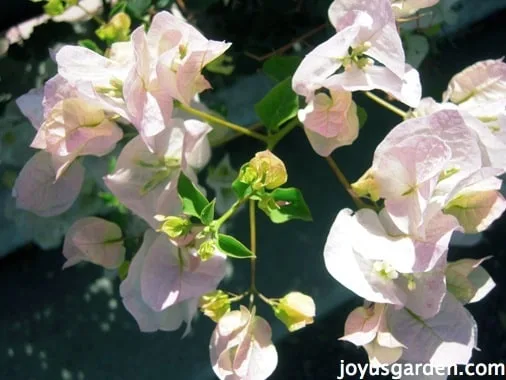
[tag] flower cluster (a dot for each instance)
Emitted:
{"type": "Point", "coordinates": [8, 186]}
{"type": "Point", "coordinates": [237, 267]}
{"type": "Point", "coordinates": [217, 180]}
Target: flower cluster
{"type": "Point", "coordinates": [366, 53]}
{"type": "Point", "coordinates": [434, 173]}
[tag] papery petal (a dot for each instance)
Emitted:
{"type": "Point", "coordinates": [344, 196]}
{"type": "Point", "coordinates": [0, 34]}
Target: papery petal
{"type": "Point", "coordinates": [380, 355]}
{"type": "Point", "coordinates": [324, 146]}
{"type": "Point", "coordinates": [406, 89]}
{"type": "Point", "coordinates": [361, 326]}
{"type": "Point", "coordinates": [386, 48]}
{"type": "Point", "coordinates": [149, 320]}
{"type": "Point", "coordinates": [482, 82]}
{"type": "Point", "coordinates": [76, 64]}
{"type": "Point", "coordinates": [446, 339]}
{"type": "Point", "coordinates": [468, 281]}
{"type": "Point", "coordinates": [322, 62]}
{"type": "Point", "coordinates": [165, 280]}
{"type": "Point", "coordinates": [142, 183]}
{"type": "Point", "coordinates": [36, 189]}
{"type": "Point", "coordinates": [430, 289]}
{"type": "Point", "coordinates": [351, 269]}
{"type": "Point", "coordinates": [95, 240]}
{"type": "Point", "coordinates": [256, 357]}
{"type": "Point", "coordinates": [196, 144]}
{"type": "Point", "coordinates": [30, 105]}
{"type": "Point", "coordinates": [343, 13]}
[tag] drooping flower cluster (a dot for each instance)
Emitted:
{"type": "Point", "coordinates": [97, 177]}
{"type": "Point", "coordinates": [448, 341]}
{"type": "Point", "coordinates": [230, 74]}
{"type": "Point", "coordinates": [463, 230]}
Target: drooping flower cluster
{"type": "Point", "coordinates": [82, 111]}
{"type": "Point", "coordinates": [365, 53]}
{"type": "Point", "coordinates": [434, 175]}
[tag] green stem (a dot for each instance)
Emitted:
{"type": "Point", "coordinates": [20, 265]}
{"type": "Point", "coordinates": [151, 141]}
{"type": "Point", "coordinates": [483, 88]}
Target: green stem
{"type": "Point", "coordinates": [387, 105]}
{"type": "Point", "coordinates": [213, 119]}
{"type": "Point", "coordinates": [346, 184]}
{"type": "Point", "coordinates": [253, 243]}
{"type": "Point", "coordinates": [222, 219]}
{"type": "Point", "coordinates": [276, 138]}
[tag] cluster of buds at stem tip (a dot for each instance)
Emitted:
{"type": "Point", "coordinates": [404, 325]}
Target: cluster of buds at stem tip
{"type": "Point", "coordinates": [295, 310]}
{"type": "Point", "coordinates": [215, 304]}
{"type": "Point", "coordinates": [265, 170]}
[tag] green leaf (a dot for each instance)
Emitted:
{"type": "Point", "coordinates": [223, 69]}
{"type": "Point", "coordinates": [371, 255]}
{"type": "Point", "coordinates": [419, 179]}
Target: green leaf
{"type": "Point", "coordinates": [90, 44]}
{"type": "Point", "coordinates": [279, 68]}
{"type": "Point", "coordinates": [119, 7]}
{"type": "Point", "coordinates": [138, 7]}
{"type": "Point", "coordinates": [207, 214]}
{"type": "Point", "coordinates": [286, 204]}
{"type": "Point", "coordinates": [54, 7]}
{"type": "Point", "coordinates": [241, 189]}
{"type": "Point", "coordinates": [278, 106]}
{"type": "Point", "coordinates": [193, 200]}
{"type": "Point", "coordinates": [164, 3]}
{"type": "Point", "coordinates": [233, 247]}
{"type": "Point", "coordinates": [362, 116]}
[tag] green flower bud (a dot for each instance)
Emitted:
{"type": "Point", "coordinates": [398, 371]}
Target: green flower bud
{"type": "Point", "coordinates": [174, 226]}
{"type": "Point", "coordinates": [117, 29]}
{"type": "Point", "coordinates": [264, 170]}
{"type": "Point", "coordinates": [206, 250]}
{"type": "Point", "coordinates": [215, 304]}
{"type": "Point", "coordinates": [295, 310]}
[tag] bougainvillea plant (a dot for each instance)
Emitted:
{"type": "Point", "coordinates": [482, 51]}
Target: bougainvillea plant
{"type": "Point", "coordinates": [434, 173]}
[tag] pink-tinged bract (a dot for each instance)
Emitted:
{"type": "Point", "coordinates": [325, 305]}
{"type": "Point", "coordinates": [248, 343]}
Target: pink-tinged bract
{"type": "Point", "coordinates": [443, 340]}
{"type": "Point", "coordinates": [148, 319]}
{"type": "Point", "coordinates": [173, 274]}
{"type": "Point", "coordinates": [37, 190]}
{"type": "Point", "coordinates": [94, 240]}
{"type": "Point", "coordinates": [241, 347]}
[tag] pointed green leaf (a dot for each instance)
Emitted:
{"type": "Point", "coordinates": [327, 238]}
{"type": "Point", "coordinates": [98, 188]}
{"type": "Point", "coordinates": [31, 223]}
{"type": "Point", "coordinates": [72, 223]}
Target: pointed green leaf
{"type": "Point", "coordinates": [286, 204]}
{"type": "Point", "coordinates": [278, 106]}
{"type": "Point", "coordinates": [193, 200]}
{"type": "Point", "coordinates": [232, 247]}
{"type": "Point", "coordinates": [207, 214]}
{"type": "Point", "coordinates": [279, 68]}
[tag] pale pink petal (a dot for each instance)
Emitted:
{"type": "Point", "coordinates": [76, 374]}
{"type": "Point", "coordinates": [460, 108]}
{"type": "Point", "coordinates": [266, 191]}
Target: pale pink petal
{"type": "Point", "coordinates": [30, 105]}
{"type": "Point", "coordinates": [36, 189]}
{"type": "Point", "coordinates": [324, 146]}
{"type": "Point", "coordinates": [166, 280]}
{"type": "Point", "coordinates": [95, 240]}
{"type": "Point", "coordinates": [351, 269]}
{"type": "Point", "coordinates": [361, 326]}
{"type": "Point", "coordinates": [406, 89]}
{"type": "Point", "coordinates": [446, 339]}
{"type": "Point", "coordinates": [482, 82]}
{"type": "Point", "coordinates": [147, 319]}
{"type": "Point", "coordinates": [321, 62]}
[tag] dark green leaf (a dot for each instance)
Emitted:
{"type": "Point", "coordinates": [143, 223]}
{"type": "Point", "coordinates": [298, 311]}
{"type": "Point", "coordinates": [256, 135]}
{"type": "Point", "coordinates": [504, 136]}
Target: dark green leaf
{"type": "Point", "coordinates": [164, 3]}
{"type": "Point", "coordinates": [138, 7]}
{"type": "Point", "coordinates": [362, 116]}
{"type": "Point", "coordinates": [233, 247]}
{"type": "Point", "coordinates": [279, 68]}
{"type": "Point", "coordinates": [193, 200]}
{"type": "Point", "coordinates": [90, 44]}
{"type": "Point", "coordinates": [200, 4]}
{"type": "Point", "coordinates": [285, 205]}
{"type": "Point", "coordinates": [119, 7]}
{"type": "Point", "coordinates": [278, 106]}
{"type": "Point", "coordinates": [207, 215]}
